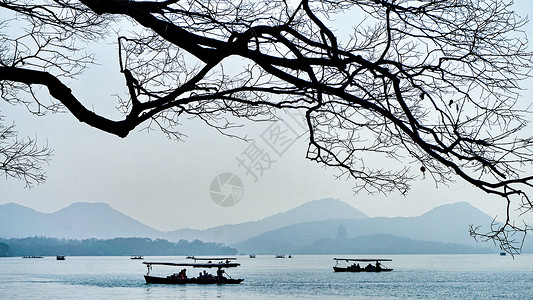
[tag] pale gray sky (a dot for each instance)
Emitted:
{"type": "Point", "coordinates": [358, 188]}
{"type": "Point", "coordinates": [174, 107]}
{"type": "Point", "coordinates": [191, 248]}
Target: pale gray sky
{"type": "Point", "coordinates": [165, 184]}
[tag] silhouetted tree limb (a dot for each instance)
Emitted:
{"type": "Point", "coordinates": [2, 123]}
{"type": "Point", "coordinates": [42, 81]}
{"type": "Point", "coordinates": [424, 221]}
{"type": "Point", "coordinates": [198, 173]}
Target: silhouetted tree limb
{"type": "Point", "coordinates": [21, 158]}
{"type": "Point", "coordinates": [433, 84]}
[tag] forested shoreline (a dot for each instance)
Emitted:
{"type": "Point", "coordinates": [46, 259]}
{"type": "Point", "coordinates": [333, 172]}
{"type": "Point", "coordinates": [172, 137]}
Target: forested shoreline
{"type": "Point", "coordinates": [43, 246]}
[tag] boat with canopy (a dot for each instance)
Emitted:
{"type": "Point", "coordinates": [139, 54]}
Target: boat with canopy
{"type": "Point", "coordinates": [353, 265]}
{"type": "Point", "coordinates": [221, 276]}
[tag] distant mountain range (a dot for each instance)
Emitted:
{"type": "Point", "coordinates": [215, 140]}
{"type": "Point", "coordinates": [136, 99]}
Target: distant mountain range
{"type": "Point", "coordinates": [318, 210]}
{"type": "Point", "coordinates": [77, 221]}
{"type": "Point", "coordinates": [99, 220]}
{"type": "Point", "coordinates": [310, 228]}
{"type": "Point", "coordinates": [447, 224]}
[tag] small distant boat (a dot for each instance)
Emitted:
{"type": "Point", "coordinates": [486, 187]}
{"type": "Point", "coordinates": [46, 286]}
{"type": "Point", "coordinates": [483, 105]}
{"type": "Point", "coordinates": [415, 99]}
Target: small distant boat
{"type": "Point", "coordinates": [252, 255]}
{"type": "Point", "coordinates": [378, 267]}
{"type": "Point", "coordinates": [290, 256]}
{"type": "Point", "coordinates": [280, 256]}
{"type": "Point", "coordinates": [503, 253]}
{"type": "Point", "coordinates": [32, 256]}
{"type": "Point", "coordinates": [60, 257]}
{"type": "Point", "coordinates": [205, 278]}
{"type": "Point", "coordinates": [136, 257]}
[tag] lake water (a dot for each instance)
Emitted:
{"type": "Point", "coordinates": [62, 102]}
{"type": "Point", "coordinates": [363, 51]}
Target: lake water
{"type": "Point", "coordinates": [301, 277]}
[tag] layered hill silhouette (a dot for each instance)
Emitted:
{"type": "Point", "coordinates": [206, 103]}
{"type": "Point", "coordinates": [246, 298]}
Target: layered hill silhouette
{"type": "Point", "coordinates": [445, 226]}
{"type": "Point", "coordinates": [77, 221]}
{"type": "Point", "coordinates": [309, 228]}
{"type": "Point", "coordinates": [98, 220]}
{"type": "Point", "coordinates": [318, 210]}
{"type": "Point", "coordinates": [441, 230]}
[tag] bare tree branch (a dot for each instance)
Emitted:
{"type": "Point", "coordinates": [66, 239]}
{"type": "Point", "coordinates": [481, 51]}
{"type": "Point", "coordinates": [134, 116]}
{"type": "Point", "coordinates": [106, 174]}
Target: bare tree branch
{"type": "Point", "coordinates": [22, 158]}
{"type": "Point", "coordinates": [431, 84]}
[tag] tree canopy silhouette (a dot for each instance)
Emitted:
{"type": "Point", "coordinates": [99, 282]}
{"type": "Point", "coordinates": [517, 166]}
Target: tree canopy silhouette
{"type": "Point", "coordinates": [432, 84]}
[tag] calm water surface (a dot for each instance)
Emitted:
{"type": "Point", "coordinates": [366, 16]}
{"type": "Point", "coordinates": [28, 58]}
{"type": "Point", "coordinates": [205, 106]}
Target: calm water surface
{"type": "Point", "coordinates": [301, 277]}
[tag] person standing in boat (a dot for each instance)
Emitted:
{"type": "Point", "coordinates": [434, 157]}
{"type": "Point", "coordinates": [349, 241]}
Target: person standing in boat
{"type": "Point", "coordinates": [220, 274]}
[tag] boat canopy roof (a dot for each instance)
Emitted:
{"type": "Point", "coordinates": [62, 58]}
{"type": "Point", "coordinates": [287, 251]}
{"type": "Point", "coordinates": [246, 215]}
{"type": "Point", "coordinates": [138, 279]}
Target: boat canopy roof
{"type": "Point", "coordinates": [363, 259]}
{"type": "Point", "coordinates": [212, 258]}
{"type": "Point", "coordinates": [194, 265]}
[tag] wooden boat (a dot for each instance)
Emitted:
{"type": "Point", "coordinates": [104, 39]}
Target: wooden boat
{"type": "Point", "coordinates": [355, 267]}
{"type": "Point", "coordinates": [205, 278]}
{"type": "Point", "coordinates": [136, 257]}
{"type": "Point", "coordinates": [32, 256]}
{"type": "Point", "coordinates": [252, 255]}
{"type": "Point", "coordinates": [280, 256]}
{"type": "Point", "coordinates": [60, 257]}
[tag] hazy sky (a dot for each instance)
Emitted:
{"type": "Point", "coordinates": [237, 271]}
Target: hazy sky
{"type": "Point", "coordinates": [166, 184]}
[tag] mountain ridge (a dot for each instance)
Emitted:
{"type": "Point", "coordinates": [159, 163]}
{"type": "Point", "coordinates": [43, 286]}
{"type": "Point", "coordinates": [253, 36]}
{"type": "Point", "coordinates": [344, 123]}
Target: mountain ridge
{"type": "Point", "coordinates": [17, 221]}
{"type": "Point", "coordinates": [300, 226]}
{"type": "Point", "coordinates": [79, 220]}
{"type": "Point", "coordinates": [446, 228]}
{"type": "Point", "coordinates": [314, 210]}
